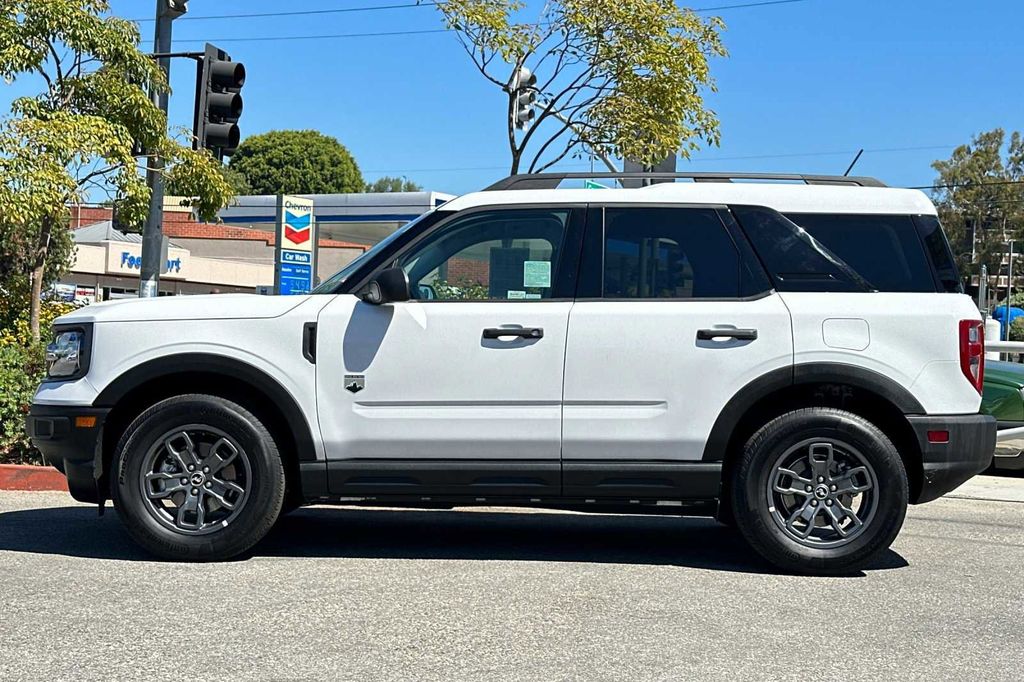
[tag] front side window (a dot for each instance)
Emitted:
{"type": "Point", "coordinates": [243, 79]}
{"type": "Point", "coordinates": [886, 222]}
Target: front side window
{"type": "Point", "coordinates": [652, 252]}
{"type": "Point", "coordinates": [494, 255]}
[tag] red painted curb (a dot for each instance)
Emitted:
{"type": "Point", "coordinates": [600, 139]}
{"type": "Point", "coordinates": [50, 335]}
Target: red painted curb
{"type": "Point", "coordinates": [28, 477]}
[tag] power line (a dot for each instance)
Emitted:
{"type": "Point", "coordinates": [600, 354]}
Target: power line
{"type": "Point", "coordinates": [296, 13]}
{"type": "Point", "coordinates": [316, 37]}
{"type": "Point", "coordinates": [954, 185]}
{"type": "Point", "coordinates": [716, 159]}
{"type": "Point", "coordinates": [745, 5]}
{"type": "Point", "coordinates": [375, 8]}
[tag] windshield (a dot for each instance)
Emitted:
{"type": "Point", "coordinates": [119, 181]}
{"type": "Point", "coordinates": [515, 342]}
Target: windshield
{"type": "Point", "coordinates": [330, 284]}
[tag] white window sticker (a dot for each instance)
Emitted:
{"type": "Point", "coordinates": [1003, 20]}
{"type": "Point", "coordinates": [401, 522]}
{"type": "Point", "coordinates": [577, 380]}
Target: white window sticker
{"type": "Point", "coordinates": [537, 273]}
{"type": "Point", "coordinates": [513, 294]}
{"type": "Point", "coordinates": [533, 296]}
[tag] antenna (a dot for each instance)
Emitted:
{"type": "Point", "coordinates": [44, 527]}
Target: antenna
{"type": "Point", "coordinates": [853, 163]}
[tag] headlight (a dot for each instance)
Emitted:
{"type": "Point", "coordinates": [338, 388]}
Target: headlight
{"type": "Point", "coordinates": [64, 355]}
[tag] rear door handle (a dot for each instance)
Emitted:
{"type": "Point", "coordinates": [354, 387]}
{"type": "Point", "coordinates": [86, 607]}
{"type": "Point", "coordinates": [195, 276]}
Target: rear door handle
{"type": "Point", "coordinates": [738, 334]}
{"type": "Point", "coordinates": [521, 332]}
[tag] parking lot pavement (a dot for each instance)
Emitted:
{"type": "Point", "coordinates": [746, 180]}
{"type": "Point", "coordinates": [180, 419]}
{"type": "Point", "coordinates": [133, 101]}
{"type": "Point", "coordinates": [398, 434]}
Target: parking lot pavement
{"type": "Point", "coordinates": [506, 595]}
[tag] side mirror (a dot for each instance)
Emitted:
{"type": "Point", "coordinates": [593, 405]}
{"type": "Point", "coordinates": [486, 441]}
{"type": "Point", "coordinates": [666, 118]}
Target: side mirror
{"type": "Point", "coordinates": [389, 286]}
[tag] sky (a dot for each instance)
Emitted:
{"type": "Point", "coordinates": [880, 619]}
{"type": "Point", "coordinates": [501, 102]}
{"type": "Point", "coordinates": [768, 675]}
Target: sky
{"type": "Point", "coordinates": [807, 83]}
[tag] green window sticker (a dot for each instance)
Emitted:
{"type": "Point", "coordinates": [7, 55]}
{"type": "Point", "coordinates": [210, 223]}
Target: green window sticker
{"type": "Point", "coordinates": [514, 294]}
{"type": "Point", "coordinates": [537, 273]}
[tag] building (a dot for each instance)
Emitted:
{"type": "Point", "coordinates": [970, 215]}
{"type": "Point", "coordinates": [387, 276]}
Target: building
{"type": "Point", "coordinates": [201, 257]}
{"type": "Point", "coordinates": [356, 218]}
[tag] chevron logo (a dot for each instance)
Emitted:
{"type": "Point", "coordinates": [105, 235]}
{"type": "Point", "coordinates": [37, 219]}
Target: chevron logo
{"type": "Point", "coordinates": [297, 227]}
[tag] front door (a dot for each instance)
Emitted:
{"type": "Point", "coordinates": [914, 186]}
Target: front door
{"type": "Point", "coordinates": [671, 323]}
{"type": "Point", "coordinates": [459, 390]}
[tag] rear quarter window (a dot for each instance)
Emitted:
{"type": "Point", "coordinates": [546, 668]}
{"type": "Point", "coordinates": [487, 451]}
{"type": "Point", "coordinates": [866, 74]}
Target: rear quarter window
{"type": "Point", "coordinates": [886, 250]}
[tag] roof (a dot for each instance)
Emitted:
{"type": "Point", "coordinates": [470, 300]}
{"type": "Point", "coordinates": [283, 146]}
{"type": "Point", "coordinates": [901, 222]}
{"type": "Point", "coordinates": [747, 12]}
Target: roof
{"type": "Point", "coordinates": [363, 207]}
{"type": "Point", "coordinates": [785, 198]}
{"type": "Point", "coordinates": [188, 230]}
{"type": "Point", "coordinates": [104, 231]}
{"type": "Point", "coordinates": [183, 227]}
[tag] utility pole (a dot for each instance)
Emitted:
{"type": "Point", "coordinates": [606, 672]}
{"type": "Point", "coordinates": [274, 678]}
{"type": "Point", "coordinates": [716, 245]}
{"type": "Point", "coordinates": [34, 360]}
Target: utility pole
{"type": "Point", "coordinates": [1009, 291]}
{"type": "Point", "coordinates": [153, 230]}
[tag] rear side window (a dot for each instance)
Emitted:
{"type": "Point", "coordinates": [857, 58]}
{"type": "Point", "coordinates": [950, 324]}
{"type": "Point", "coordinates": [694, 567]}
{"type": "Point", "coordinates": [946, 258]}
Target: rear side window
{"type": "Point", "coordinates": [886, 250]}
{"type": "Point", "coordinates": [654, 252]}
{"type": "Point", "coordinates": [794, 259]}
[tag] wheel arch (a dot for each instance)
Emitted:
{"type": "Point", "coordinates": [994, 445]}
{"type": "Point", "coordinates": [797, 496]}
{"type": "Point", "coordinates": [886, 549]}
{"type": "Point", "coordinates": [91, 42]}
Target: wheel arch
{"type": "Point", "coordinates": [861, 391]}
{"type": "Point", "coordinates": [148, 383]}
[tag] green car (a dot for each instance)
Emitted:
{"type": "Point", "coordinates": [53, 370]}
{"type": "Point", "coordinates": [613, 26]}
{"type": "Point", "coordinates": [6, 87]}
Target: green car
{"type": "Point", "coordinates": [1003, 398]}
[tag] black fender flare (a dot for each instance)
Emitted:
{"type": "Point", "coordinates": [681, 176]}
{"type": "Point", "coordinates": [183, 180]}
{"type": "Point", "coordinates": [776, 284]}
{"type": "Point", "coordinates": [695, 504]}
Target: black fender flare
{"type": "Point", "coordinates": [232, 368]}
{"type": "Point", "coordinates": [717, 444]}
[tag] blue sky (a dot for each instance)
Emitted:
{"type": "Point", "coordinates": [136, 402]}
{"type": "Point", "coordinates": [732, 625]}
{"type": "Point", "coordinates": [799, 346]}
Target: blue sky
{"type": "Point", "coordinates": [813, 81]}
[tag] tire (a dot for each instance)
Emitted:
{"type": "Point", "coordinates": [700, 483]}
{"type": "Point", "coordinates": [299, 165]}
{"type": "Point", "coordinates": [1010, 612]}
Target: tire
{"type": "Point", "coordinates": [832, 466]}
{"type": "Point", "coordinates": [220, 507]}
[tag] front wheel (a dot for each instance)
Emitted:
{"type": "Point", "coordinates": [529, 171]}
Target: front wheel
{"type": "Point", "coordinates": [197, 478]}
{"type": "Point", "coordinates": [820, 490]}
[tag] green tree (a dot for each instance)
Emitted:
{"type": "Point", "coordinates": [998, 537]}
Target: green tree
{"type": "Point", "coordinates": [624, 78]}
{"type": "Point", "coordinates": [73, 141]}
{"type": "Point", "coordinates": [239, 185]}
{"type": "Point", "coordinates": [296, 162]}
{"type": "Point", "coordinates": [392, 184]}
{"type": "Point", "coordinates": [979, 193]}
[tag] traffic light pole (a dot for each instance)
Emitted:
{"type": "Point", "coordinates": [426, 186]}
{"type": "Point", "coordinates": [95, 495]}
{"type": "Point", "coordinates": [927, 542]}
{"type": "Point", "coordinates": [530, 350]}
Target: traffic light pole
{"type": "Point", "coordinates": [153, 230]}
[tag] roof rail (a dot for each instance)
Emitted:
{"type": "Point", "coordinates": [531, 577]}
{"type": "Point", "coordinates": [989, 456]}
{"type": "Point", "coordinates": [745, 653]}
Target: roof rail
{"type": "Point", "coordinates": [552, 180]}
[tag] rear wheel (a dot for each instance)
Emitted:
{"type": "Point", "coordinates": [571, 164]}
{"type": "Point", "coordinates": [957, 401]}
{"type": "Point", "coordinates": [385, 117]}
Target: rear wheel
{"type": "Point", "coordinates": [198, 477]}
{"type": "Point", "coordinates": [819, 490]}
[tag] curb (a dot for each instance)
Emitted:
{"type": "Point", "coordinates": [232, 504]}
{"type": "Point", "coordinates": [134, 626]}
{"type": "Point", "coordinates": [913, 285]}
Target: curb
{"type": "Point", "coordinates": [33, 478]}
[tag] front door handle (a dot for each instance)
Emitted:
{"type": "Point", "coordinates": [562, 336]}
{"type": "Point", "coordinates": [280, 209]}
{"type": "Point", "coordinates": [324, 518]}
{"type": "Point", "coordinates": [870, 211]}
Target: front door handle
{"type": "Point", "coordinates": [730, 333]}
{"type": "Point", "coordinates": [521, 332]}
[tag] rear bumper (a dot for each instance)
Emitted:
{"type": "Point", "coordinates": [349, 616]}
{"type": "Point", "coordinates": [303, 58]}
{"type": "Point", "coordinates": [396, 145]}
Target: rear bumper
{"type": "Point", "coordinates": [70, 444]}
{"type": "Point", "coordinates": [968, 451]}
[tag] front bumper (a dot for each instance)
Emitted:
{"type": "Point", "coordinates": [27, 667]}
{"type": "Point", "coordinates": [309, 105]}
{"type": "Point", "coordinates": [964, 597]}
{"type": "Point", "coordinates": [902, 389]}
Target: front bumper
{"type": "Point", "coordinates": [71, 439]}
{"type": "Point", "coordinates": [968, 451]}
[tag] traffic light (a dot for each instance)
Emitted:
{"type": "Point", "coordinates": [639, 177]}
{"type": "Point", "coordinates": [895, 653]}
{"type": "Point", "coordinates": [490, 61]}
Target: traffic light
{"type": "Point", "coordinates": [218, 102]}
{"type": "Point", "coordinates": [172, 9]}
{"type": "Point", "coordinates": [525, 93]}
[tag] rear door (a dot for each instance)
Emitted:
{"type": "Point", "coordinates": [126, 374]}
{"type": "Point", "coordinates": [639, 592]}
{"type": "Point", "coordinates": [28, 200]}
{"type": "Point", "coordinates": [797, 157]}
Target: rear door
{"type": "Point", "coordinates": [673, 318]}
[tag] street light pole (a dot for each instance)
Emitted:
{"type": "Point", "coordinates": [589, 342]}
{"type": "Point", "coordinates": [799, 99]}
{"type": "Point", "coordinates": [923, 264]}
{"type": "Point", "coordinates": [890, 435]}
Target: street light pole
{"type": "Point", "coordinates": [1009, 290]}
{"type": "Point", "coordinates": [153, 230]}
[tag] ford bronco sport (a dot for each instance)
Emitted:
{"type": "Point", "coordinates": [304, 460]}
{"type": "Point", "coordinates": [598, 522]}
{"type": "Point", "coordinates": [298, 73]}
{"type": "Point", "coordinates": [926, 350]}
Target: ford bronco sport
{"type": "Point", "coordinates": [792, 356]}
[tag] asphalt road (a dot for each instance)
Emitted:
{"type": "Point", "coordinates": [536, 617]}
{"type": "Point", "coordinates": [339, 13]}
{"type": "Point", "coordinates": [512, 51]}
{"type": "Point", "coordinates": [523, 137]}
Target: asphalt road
{"type": "Point", "coordinates": [507, 595]}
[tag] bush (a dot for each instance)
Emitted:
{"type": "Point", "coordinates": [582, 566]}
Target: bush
{"type": "Point", "coordinates": [22, 367]}
{"type": "Point", "coordinates": [1017, 329]}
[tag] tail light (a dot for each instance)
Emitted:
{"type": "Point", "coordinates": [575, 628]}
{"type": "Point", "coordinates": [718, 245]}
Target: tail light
{"type": "Point", "coordinates": [972, 351]}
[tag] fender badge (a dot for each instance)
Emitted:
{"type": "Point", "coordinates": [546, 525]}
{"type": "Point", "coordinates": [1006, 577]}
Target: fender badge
{"type": "Point", "coordinates": [355, 383]}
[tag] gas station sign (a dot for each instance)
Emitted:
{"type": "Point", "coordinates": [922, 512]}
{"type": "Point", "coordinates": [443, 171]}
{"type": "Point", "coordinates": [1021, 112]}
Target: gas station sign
{"type": "Point", "coordinates": [295, 246]}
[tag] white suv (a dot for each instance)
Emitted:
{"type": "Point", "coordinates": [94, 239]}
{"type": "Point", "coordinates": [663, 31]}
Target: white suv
{"type": "Point", "coordinates": [795, 358]}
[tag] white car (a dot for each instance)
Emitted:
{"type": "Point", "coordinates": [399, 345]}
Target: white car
{"type": "Point", "coordinates": [792, 357]}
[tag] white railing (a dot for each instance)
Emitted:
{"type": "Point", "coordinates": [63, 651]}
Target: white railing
{"type": "Point", "coordinates": [993, 350]}
{"type": "Point", "coordinates": [1004, 346]}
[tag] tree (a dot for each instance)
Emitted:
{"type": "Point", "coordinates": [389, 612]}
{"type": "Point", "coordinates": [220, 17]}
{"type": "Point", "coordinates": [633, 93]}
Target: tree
{"type": "Point", "coordinates": [624, 78]}
{"type": "Point", "coordinates": [73, 142]}
{"type": "Point", "coordinates": [979, 193]}
{"type": "Point", "coordinates": [391, 184]}
{"type": "Point", "coordinates": [296, 162]}
{"type": "Point", "coordinates": [239, 185]}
